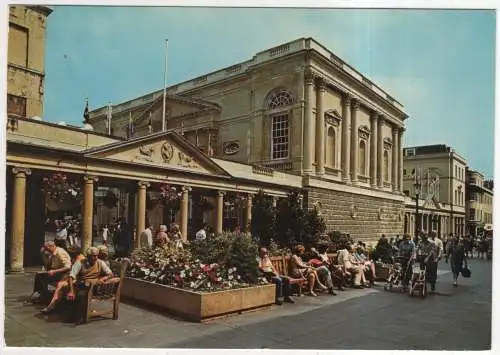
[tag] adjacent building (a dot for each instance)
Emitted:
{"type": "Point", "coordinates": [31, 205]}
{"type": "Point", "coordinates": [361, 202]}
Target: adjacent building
{"type": "Point", "coordinates": [439, 175]}
{"type": "Point", "coordinates": [297, 108]}
{"type": "Point", "coordinates": [25, 56]}
{"type": "Point", "coordinates": [479, 196]}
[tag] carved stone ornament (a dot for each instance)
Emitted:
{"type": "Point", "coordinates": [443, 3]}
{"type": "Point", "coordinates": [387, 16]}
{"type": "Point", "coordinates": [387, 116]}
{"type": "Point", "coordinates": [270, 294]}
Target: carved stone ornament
{"type": "Point", "coordinates": [145, 153]}
{"type": "Point", "coordinates": [364, 132]}
{"type": "Point", "coordinates": [167, 152]}
{"type": "Point", "coordinates": [333, 117]}
{"type": "Point", "coordinates": [401, 215]}
{"type": "Point", "coordinates": [186, 161]}
{"type": "Point", "coordinates": [380, 213]}
{"type": "Point", "coordinates": [387, 143]}
{"type": "Point", "coordinates": [231, 147]}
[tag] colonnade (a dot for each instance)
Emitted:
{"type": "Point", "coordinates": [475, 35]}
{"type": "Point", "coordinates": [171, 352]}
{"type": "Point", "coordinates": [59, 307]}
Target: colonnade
{"type": "Point", "coordinates": [314, 139]}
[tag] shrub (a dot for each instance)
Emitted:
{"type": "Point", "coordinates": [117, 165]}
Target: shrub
{"type": "Point", "coordinates": [263, 219]}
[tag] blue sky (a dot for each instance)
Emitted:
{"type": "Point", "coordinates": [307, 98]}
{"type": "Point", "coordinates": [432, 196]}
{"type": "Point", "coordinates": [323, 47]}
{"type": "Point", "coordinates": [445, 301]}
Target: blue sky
{"type": "Point", "coordinates": [440, 64]}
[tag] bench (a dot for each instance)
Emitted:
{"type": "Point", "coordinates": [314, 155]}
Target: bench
{"type": "Point", "coordinates": [109, 290]}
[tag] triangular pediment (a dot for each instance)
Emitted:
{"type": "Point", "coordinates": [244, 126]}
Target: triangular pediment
{"type": "Point", "coordinates": [432, 203]}
{"type": "Point", "coordinates": [167, 150]}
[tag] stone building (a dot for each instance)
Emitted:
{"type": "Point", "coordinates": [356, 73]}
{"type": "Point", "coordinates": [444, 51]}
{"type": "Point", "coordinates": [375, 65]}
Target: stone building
{"type": "Point", "coordinates": [441, 174]}
{"type": "Point", "coordinates": [297, 108]}
{"type": "Point", "coordinates": [479, 203]}
{"type": "Point", "coordinates": [25, 56]}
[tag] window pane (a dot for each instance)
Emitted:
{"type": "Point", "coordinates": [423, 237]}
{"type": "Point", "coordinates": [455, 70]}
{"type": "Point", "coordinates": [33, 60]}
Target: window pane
{"type": "Point", "coordinates": [280, 137]}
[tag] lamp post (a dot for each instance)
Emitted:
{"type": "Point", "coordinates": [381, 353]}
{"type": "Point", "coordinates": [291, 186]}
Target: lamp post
{"type": "Point", "coordinates": [418, 186]}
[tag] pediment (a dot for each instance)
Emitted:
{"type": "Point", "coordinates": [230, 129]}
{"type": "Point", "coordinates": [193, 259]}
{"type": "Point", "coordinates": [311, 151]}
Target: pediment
{"type": "Point", "coordinates": [167, 150]}
{"type": "Point", "coordinates": [432, 203]}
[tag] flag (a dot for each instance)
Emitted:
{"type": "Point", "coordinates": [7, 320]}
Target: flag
{"type": "Point", "coordinates": [86, 112]}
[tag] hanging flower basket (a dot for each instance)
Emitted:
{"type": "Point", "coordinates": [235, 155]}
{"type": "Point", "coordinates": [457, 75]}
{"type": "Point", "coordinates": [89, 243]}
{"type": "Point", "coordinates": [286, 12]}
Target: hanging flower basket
{"type": "Point", "coordinates": [236, 201]}
{"type": "Point", "coordinates": [58, 187]}
{"type": "Point", "coordinates": [168, 193]}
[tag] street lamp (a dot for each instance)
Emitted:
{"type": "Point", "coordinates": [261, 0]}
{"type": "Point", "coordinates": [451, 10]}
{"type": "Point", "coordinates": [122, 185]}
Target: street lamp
{"type": "Point", "coordinates": [418, 186]}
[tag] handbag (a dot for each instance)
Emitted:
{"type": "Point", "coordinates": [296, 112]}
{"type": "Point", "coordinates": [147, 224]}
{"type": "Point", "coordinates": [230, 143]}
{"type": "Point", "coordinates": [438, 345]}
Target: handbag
{"type": "Point", "coordinates": [466, 272]}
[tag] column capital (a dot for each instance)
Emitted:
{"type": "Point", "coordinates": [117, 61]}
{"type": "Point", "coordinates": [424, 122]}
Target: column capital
{"type": "Point", "coordinates": [374, 115]}
{"type": "Point", "coordinates": [17, 170]}
{"type": "Point", "coordinates": [90, 179]}
{"type": "Point", "coordinates": [402, 130]}
{"type": "Point", "coordinates": [143, 184]}
{"type": "Point", "coordinates": [186, 188]}
{"type": "Point", "coordinates": [346, 99]}
{"type": "Point", "coordinates": [321, 84]}
{"type": "Point", "coordinates": [221, 193]}
{"type": "Point", "coordinates": [309, 76]}
{"type": "Point", "coordinates": [355, 104]}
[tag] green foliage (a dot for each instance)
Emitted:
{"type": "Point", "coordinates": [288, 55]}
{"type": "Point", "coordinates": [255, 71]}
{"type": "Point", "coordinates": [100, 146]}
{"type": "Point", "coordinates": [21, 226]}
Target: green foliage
{"type": "Point", "coordinates": [263, 222]}
{"type": "Point", "coordinates": [237, 250]}
{"type": "Point", "coordinates": [275, 250]}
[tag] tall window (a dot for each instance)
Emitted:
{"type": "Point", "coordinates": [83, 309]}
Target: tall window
{"type": "Point", "coordinates": [330, 148]}
{"type": "Point", "coordinates": [386, 165]}
{"type": "Point", "coordinates": [280, 137]}
{"type": "Point", "coordinates": [18, 45]}
{"type": "Point", "coordinates": [362, 158]}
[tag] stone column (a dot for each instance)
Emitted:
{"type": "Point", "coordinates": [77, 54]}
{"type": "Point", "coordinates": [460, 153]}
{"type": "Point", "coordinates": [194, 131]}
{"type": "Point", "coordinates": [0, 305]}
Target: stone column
{"type": "Point", "coordinates": [320, 127]}
{"type": "Point", "coordinates": [18, 219]}
{"type": "Point", "coordinates": [395, 160]}
{"type": "Point", "coordinates": [220, 211]}
{"type": "Point", "coordinates": [184, 212]}
{"type": "Point", "coordinates": [373, 149]}
{"type": "Point", "coordinates": [380, 152]}
{"type": "Point", "coordinates": [140, 217]}
{"type": "Point", "coordinates": [308, 124]}
{"type": "Point", "coordinates": [346, 137]}
{"type": "Point", "coordinates": [400, 155]}
{"type": "Point", "coordinates": [354, 141]}
{"type": "Point", "coordinates": [87, 211]}
{"type": "Point", "coordinates": [275, 201]}
{"type": "Point", "coordinates": [248, 213]}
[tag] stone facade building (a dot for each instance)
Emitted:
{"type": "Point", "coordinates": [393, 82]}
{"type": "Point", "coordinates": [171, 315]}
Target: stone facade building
{"type": "Point", "coordinates": [479, 198]}
{"type": "Point", "coordinates": [25, 56]}
{"type": "Point", "coordinates": [441, 172]}
{"type": "Point", "coordinates": [297, 108]}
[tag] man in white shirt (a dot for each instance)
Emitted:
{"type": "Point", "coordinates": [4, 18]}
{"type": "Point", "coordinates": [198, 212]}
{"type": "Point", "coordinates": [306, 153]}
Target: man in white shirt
{"type": "Point", "coordinates": [202, 233]}
{"type": "Point", "coordinates": [146, 238]}
{"type": "Point", "coordinates": [344, 259]}
{"type": "Point", "coordinates": [440, 251]}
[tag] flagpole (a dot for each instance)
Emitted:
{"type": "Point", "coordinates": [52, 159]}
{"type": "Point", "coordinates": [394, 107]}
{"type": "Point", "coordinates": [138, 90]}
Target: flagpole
{"type": "Point", "coordinates": [163, 122]}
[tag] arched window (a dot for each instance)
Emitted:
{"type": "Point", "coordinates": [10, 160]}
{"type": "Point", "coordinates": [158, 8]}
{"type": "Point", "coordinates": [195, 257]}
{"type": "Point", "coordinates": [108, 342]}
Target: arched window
{"type": "Point", "coordinates": [330, 148]}
{"type": "Point", "coordinates": [386, 165]}
{"type": "Point", "coordinates": [362, 158]}
{"type": "Point", "coordinates": [279, 98]}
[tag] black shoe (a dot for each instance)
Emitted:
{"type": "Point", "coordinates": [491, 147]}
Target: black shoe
{"type": "Point", "coordinates": [278, 302]}
{"type": "Point", "coordinates": [358, 287]}
{"type": "Point", "coordinates": [289, 300]}
{"type": "Point", "coordinates": [433, 288]}
{"type": "Point", "coordinates": [340, 288]}
{"type": "Point", "coordinates": [332, 292]}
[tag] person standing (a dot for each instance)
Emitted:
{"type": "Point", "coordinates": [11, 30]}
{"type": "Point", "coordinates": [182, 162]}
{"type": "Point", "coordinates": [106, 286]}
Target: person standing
{"type": "Point", "coordinates": [457, 256]}
{"type": "Point", "coordinates": [202, 233]}
{"type": "Point", "coordinates": [105, 233]}
{"type": "Point", "coordinates": [146, 237]}
{"type": "Point", "coordinates": [427, 255]}
{"type": "Point", "coordinates": [406, 250]}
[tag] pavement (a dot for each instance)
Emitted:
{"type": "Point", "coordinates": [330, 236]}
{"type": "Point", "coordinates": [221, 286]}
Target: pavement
{"type": "Point", "coordinates": [369, 319]}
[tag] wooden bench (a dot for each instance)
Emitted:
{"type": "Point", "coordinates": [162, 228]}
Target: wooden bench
{"type": "Point", "coordinates": [109, 290]}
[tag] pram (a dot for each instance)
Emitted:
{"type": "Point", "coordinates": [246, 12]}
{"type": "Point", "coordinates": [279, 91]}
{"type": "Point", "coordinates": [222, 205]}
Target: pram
{"type": "Point", "coordinates": [397, 273]}
{"type": "Point", "coordinates": [418, 283]}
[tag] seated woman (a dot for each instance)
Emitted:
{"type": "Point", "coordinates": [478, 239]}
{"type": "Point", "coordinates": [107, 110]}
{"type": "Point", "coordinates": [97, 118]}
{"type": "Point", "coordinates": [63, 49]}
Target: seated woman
{"type": "Point", "coordinates": [84, 271]}
{"type": "Point", "coordinates": [298, 269]}
{"type": "Point", "coordinates": [368, 265]}
{"type": "Point", "coordinates": [282, 283]}
{"type": "Point", "coordinates": [335, 270]}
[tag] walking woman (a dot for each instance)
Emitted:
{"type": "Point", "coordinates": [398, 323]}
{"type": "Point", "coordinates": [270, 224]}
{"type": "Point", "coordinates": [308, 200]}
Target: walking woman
{"type": "Point", "coordinates": [455, 252]}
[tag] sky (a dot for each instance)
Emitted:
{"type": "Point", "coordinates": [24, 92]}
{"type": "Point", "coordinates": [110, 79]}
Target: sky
{"type": "Point", "coordinates": [440, 64]}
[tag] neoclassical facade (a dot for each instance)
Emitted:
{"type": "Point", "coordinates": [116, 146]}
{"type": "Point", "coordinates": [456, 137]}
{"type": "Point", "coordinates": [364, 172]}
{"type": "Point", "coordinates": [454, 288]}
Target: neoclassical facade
{"type": "Point", "coordinates": [479, 198]}
{"type": "Point", "coordinates": [296, 108]}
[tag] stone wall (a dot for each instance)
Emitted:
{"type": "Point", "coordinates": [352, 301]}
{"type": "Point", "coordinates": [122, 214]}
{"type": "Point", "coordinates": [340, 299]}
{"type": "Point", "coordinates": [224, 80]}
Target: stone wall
{"type": "Point", "coordinates": [363, 217]}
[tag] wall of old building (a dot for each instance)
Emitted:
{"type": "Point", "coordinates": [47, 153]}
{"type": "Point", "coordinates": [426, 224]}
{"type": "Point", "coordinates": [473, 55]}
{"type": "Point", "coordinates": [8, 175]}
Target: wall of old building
{"type": "Point", "coordinates": [363, 217]}
{"type": "Point", "coordinates": [26, 55]}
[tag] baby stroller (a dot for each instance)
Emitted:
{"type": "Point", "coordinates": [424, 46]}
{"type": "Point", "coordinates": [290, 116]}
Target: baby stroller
{"type": "Point", "coordinates": [418, 283]}
{"type": "Point", "coordinates": [397, 273]}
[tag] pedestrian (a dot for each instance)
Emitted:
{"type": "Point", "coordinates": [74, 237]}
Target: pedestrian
{"type": "Point", "coordinates": [427, 254]}
{"type": "Point", "coordinates": [456, 254]}
{"type": "Point", "coordinates": [105, 233]}
{"type": "Point", "coordinates": [146, 237]}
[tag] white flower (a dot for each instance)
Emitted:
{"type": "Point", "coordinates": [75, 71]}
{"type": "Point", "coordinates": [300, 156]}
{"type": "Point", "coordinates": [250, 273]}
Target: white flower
{"type": "Point", "coordinates": [192, 284]}
{"type": "Point", "coordinates": [230, 277]}
{"type": "Point", "coordinates": [219, 279]}
{"type": "Point", "coordinates": [208, 284]}
{"type": "Point", "coordinates": [238, 277]}
{"type": "Point", "coordinates": [182, 274]}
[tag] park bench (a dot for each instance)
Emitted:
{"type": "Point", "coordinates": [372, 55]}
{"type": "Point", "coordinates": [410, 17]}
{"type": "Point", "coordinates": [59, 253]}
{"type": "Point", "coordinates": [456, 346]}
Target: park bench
{"type": "Point", "coordinates": [281, 264]}
{"type": "Point", "coordinates": [106, 291]}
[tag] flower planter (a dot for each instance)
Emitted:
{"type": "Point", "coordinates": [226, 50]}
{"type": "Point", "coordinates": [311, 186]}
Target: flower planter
{"type": "Point", "coordinates": [197, 306]}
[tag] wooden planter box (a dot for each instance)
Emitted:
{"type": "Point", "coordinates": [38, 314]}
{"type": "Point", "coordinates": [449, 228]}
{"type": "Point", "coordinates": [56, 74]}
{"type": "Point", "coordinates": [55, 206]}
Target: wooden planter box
{"type": "Point", "coordinates": [197, 306]}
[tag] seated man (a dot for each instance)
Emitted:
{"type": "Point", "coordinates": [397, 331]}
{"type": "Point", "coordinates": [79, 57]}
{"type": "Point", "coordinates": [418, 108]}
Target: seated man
{"type": "Point", "coordinates": [368, 266]}
{"type": "Point", "coordinates": [345, 257]}
{"type": "Point", "coordinates": [57, 263]}
{"type": "Point", "coordinates": [83, 272]}
{"type": "Point", "coordinates": [335, 270]}
{"type": "Point", "coordinates": [282, 283]}
{"type": "Point", "coordinates": [103, 253]}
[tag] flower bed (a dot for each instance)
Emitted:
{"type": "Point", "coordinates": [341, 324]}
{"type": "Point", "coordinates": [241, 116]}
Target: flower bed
{"type": "Point", "coordinates": [198, 306]}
